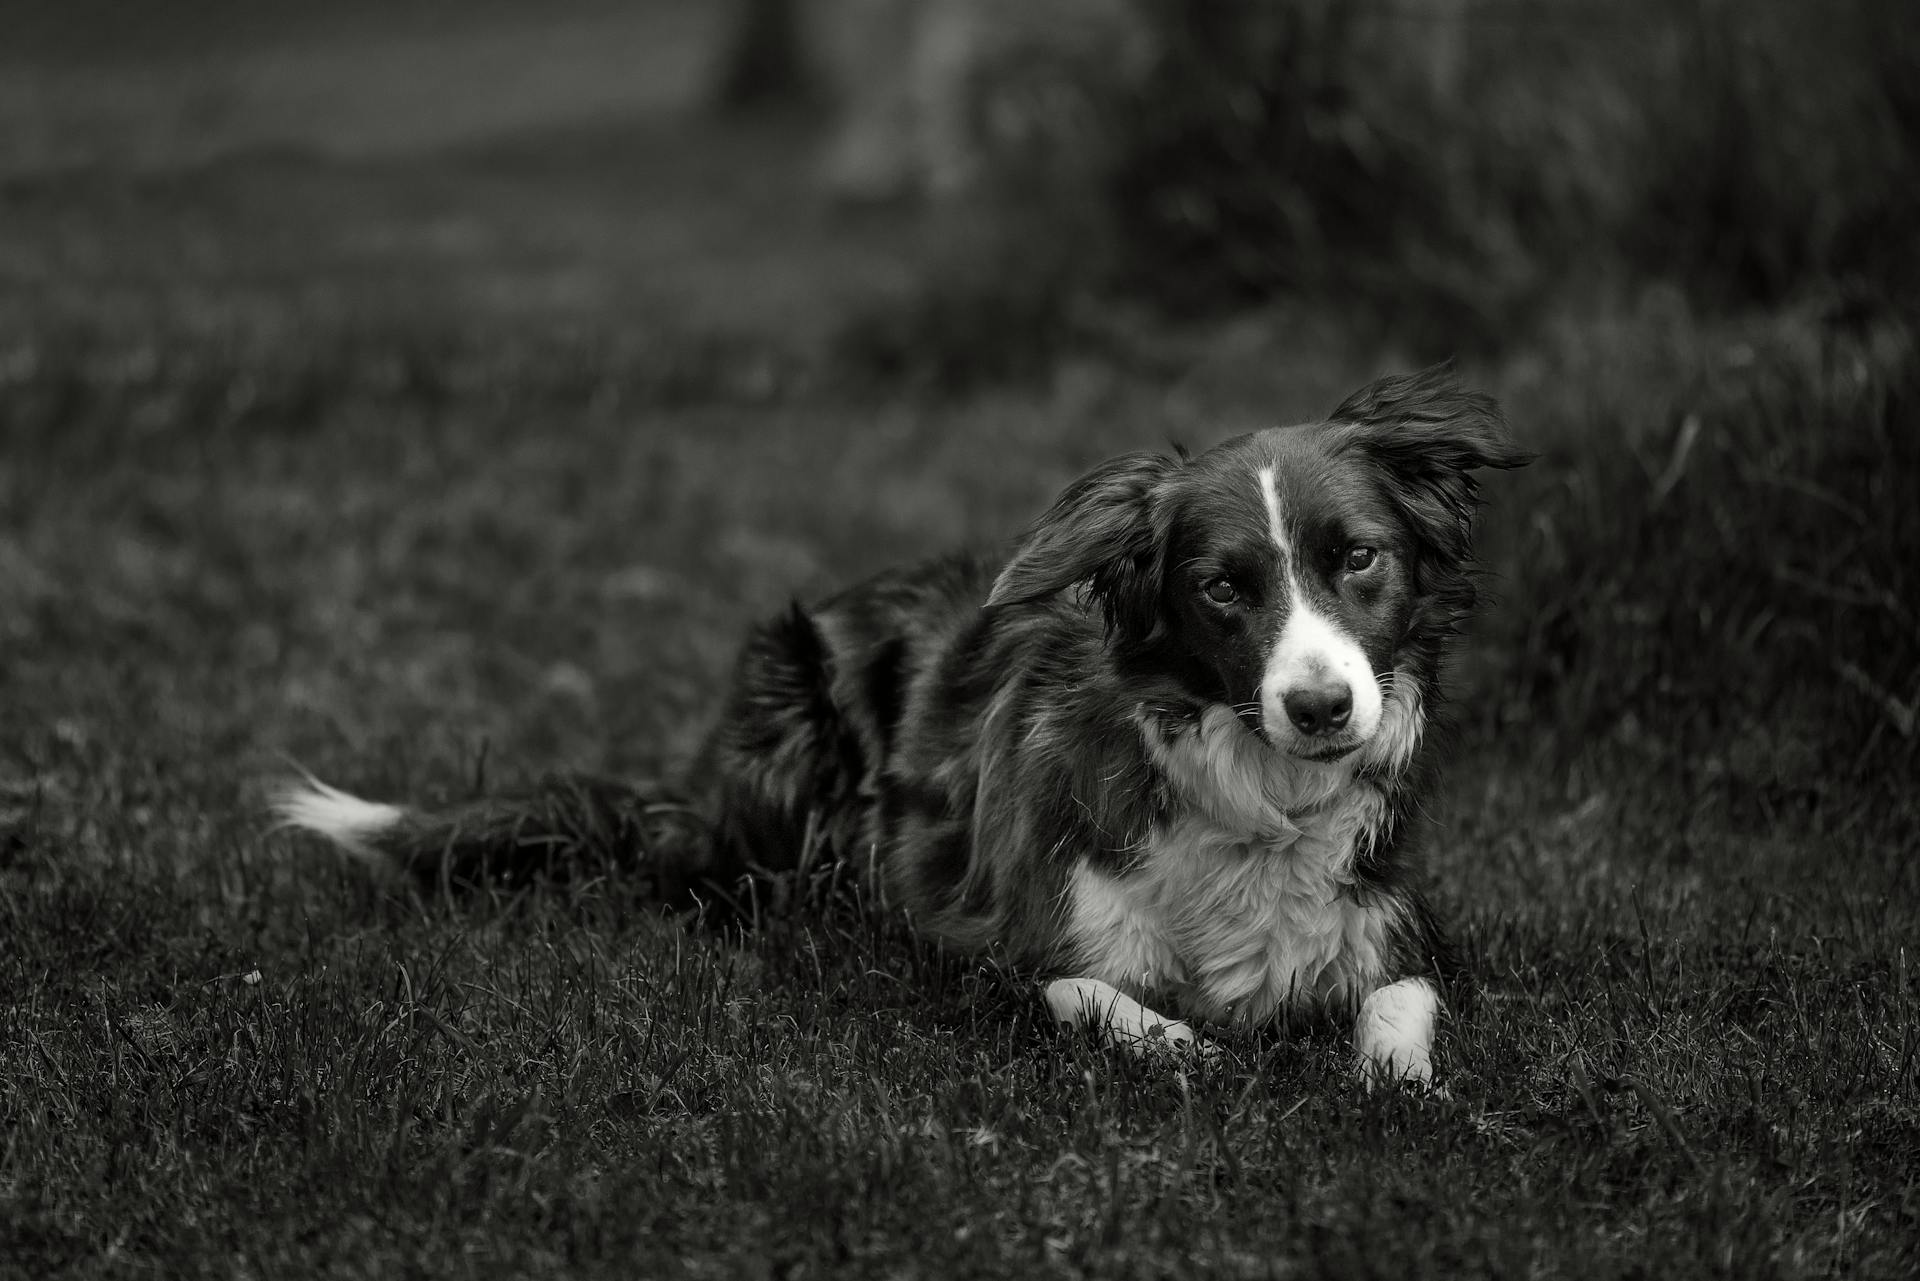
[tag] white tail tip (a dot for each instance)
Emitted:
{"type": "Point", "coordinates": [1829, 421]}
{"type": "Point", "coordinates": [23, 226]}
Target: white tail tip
{"type": "Point", "coordinates": [346, 820]}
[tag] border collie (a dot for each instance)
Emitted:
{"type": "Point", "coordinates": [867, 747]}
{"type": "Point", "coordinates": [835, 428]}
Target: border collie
{"type": "Point", "coordinates": [1168, 757]}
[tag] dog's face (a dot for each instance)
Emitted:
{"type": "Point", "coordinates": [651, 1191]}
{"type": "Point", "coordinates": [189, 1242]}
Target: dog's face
{"type": "Point", "coordinates": [1290, 578]}
{"type": "Point", "coordinates": [1295, 574]}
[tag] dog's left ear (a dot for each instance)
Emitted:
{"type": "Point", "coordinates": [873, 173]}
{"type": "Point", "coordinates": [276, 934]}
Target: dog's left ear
{"type": "Point", "coordinates": [1101, 531]}
{"type": "Point", "coordinates": [1429, 435]}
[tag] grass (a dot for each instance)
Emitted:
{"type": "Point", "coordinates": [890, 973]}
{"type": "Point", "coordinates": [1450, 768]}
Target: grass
{"type": "Point", "coordinates": [396, 504]}
{"type": "Point", "coordinates": [1683, 863]}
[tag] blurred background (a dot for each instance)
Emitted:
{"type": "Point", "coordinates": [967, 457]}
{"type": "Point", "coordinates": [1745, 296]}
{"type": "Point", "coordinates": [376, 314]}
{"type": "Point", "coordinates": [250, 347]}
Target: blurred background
{"type": "Point", "coordinates": [1448, 167]}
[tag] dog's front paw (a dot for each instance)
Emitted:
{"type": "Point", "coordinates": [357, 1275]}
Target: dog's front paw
{"type": "Point", "coordinates": [1171, 1032]}
{"type": "Point", "coordinates": [1176, 1037]}
{"type": "Point", "coordinates": [1172, 1039]}
{"type": "Point", "coordinates": [1393, 1035]}
{"type": "Point", "coordinates": [1413, 1069]}
{"type": "Point", "coordinates": [1121, 1020]}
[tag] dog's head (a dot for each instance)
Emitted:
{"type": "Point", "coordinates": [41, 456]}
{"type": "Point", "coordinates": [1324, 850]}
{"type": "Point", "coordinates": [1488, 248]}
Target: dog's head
{"type": "Point", "coordinates": [1295, 574]}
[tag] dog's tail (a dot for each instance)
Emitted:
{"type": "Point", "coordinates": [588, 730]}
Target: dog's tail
{"type": "Point", "coordinates": [567, 826]}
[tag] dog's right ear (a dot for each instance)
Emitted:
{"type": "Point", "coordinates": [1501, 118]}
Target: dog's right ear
{"type": "Point", "coordinates": [1429, 435]}
{"type": "Point", "coordinates": [1101, 531]}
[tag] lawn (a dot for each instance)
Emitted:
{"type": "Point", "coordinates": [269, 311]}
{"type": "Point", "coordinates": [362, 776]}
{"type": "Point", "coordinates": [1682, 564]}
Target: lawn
{"type": "Point", "coordinates": [432, 476]}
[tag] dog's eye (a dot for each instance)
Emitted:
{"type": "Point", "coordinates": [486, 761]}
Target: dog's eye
{"type": "Point", "coordinates": [1222, 592]}
{"type": "Point", "coordinates": [1359, 559]}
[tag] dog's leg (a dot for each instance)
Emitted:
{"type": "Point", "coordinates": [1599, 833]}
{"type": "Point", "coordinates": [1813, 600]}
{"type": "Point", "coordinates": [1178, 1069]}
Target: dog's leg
{"type": "Point", "coordinates": [1393, 1036]}
{"type": "Point", "coordinates": [1121, 1020]}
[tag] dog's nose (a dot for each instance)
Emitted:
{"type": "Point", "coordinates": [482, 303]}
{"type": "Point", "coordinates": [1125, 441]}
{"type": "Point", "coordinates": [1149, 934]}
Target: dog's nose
{"type": "Point", "coordinates": [1319, 709]}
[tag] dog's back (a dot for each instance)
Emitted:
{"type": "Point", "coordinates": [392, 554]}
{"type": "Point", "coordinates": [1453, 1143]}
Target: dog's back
{"type": "Point", "coordinates": [805, 752]}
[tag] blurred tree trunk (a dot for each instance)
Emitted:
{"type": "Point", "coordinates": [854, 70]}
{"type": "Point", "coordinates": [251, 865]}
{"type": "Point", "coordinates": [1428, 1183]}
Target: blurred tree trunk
{"type": "Point", "coordinates": [766, 59]}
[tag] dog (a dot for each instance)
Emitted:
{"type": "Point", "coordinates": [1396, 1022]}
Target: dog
{"type": "Point", "coordinates": [1169, 758]}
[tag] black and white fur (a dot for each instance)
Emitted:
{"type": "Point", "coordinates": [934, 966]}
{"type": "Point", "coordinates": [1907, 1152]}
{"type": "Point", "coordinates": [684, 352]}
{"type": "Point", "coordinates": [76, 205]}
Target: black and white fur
{"type": "Point", "coordinates": [1168, 757]}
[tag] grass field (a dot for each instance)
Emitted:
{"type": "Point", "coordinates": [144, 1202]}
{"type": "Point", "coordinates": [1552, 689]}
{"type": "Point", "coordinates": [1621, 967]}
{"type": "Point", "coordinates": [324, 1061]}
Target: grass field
{"type": "Point", "coordinates": [431, 475]}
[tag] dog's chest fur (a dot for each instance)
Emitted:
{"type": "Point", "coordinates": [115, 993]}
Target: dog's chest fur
{"type": "Point", "coordinates": [1244, 905]}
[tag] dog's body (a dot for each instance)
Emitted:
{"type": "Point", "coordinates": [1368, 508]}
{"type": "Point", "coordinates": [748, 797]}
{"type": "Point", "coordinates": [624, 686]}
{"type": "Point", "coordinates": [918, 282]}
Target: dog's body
{"type": "Point", "coordinates": [1170, 752]}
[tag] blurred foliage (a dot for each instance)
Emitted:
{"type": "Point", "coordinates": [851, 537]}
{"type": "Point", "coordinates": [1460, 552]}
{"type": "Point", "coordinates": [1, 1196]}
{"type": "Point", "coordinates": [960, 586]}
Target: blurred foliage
{"type": "Point", "coordinates": [1267, 156]}
{"type": "Point", "coordinates": [1726, 588]}
{"type": "Point", "coordinates": [1747, 153]}
{"type": "Point", "coordinates": [764, 60]}
{"type": "Point", "coordinates": [1783, 147]}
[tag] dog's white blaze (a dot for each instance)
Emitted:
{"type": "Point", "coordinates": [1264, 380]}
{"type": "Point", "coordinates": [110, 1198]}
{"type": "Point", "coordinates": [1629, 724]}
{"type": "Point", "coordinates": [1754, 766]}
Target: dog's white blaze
{"type": "Point", "coordinates": [1276, 524]}
{"type": "Point", "coordinates": [1393, 1035]}
{"type": "Point", "coordinates": [1311, 647]}
{"type": "Point", "coordinates": [342, 818]}
{"type": "Point", "coordinates": [1119, 1017]}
